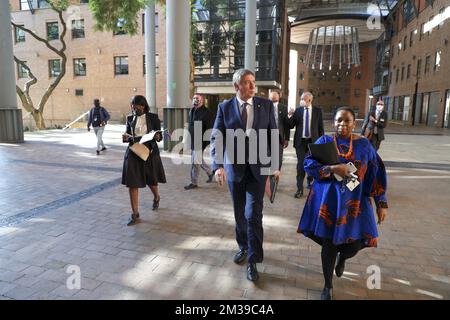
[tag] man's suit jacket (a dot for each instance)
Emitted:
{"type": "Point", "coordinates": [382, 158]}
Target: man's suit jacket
{"type": "Point", "coordinates": [205, 116]}
{"type": "Point", "coordinates": [381, 124]}
{"type": "Point", "coordinates": [283, 124]}
{"type": "Point", "coordinates": [296, 121]}
{"type": "Point", "coordinates": [229, 118]}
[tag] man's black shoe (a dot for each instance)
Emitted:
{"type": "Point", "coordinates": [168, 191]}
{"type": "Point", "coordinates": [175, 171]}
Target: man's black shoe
{"type": "Point", "coordinates": [103, 149]}
{"type": "Point", "coordinates": [298, 194]}
{"type": "Point", "coordinates": [327, 294]}
{"type": "Point", "coordinates": [252, 272]}
{"type": "Point", "coordinates": [210, 178]}
{"type": "Point", "coordinates": [340, 266]}
{"type": "Point", "coordinates": [98, 152]}
{"type": "Point", "coordinates": [190, 186]}
{"type": "Point", "coordinates": [240, 256]}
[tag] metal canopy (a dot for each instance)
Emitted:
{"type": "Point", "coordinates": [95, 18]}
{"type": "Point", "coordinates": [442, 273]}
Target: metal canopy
{"type": "Point", "coordinates": [306, 15]}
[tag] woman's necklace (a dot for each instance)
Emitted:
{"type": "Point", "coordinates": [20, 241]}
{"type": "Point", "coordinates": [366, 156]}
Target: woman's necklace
{"type": "Point", "coordinates": [350, 149]}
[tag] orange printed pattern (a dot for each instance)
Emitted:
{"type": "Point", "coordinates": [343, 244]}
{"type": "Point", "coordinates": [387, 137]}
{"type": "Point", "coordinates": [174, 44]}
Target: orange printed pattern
{"type": "Point", "coordinates": [378, 189]}
{"type": "Point", "coordinates": [341, 221]}
{"type": "Point", "coordinates": [325, 214]}
{"type": "Point", "coordinates": [371, 241]}
{"type": "Point", "coordinates": [354, 209]}
{"type": "Point", "coordinates": [362, 169]}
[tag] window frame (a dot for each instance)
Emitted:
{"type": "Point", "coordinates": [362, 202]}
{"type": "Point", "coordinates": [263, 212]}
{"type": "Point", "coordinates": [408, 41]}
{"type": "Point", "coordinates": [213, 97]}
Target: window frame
{"type": "Point", "coordinates": [121, 65]}
{"type": "Point", "coordinates": [51, 72]}
{"type": "Point", "coordinates": [75, 69]}
{"type": "Point", "coordinates": [16, 36]}
{"type": "Point", "coordinates": [47, 29]}
{"type": "Point", "coordinates": [21, 71]}
{"type": "Point", "coordinates": [78, 31]}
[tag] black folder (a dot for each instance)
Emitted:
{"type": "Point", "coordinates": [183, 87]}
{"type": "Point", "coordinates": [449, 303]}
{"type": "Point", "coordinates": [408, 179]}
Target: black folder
{"type": "Point", "coordinates": [271, 188]}
{"type": "Point", "coordinates": [325, 153]}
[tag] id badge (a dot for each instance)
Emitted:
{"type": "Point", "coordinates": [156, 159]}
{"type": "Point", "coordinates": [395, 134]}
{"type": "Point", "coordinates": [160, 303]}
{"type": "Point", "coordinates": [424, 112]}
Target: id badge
{"type": "Point", "coordinates": [352, 184]}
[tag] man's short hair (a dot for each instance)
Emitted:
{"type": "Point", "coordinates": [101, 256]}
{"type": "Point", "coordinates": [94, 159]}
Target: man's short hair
{"type": "Point", "coordinates": [380, 102]}
{"type": "Point", "coordinates": [240, 73]}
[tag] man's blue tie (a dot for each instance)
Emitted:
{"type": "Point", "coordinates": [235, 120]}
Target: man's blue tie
{"type": "Point", "coordinates": [306, 122]}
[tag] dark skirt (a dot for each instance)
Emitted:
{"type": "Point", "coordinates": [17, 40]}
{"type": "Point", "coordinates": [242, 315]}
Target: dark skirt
{"type": "Point", "coordinates": [137, 173]}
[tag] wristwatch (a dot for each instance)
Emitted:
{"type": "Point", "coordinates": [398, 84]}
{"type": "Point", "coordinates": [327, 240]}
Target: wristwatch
{"type": "Point", "coordinates": [327, 170]}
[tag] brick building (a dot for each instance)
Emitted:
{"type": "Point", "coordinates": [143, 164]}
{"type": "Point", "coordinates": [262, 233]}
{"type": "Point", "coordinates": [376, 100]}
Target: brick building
{"type": "Point", "coordinates": [419, 83]}
{"type": "Point", "coordinates": [99, 64]}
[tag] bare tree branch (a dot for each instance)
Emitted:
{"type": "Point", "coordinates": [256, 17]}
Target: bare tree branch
{"type": "Point", "coordinates": [28, 84]}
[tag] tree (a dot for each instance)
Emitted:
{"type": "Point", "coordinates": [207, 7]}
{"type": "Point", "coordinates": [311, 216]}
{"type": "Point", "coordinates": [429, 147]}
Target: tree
{"type": "Point", "coordinates": [114, 15]}
{"type": "Point", "coordinates": [24, 94]}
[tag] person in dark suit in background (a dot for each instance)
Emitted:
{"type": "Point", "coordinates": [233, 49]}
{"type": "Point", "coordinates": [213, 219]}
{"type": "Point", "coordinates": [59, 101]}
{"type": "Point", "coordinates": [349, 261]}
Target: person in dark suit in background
{"type": "Point", "coordinates": [201, 115]}
{"type": "Point", "coordinates": [308, 123]}
{"type": "Point", "coordinates": [281, 118]}
{"type": "Point", "coordinates": [246, 118]}
{"type": "Point", "coordinates": [374, 124]}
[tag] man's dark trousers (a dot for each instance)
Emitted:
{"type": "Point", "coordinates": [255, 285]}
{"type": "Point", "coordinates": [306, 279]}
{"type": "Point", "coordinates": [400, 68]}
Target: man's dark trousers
{"type": "Point", "coordinates": [301, 151]}
{"type": "Point", "coordinates": [247, 196]}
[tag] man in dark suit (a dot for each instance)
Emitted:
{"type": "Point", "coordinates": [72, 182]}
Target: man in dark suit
{"type": "Point", "coordinates": [374, 124]}
{"type": "Point", "coordinates": [281, 118]}
{"type": "Point", "coordinates": [202, 118]}
{"type": "Point", "coordinates": [243, 135]}
{"type": "Point", "coordinates": [308, 123]}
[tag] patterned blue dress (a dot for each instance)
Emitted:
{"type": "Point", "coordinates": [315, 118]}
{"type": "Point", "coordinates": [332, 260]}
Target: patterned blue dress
{"type": "Point", "coordinates": [334, 212]}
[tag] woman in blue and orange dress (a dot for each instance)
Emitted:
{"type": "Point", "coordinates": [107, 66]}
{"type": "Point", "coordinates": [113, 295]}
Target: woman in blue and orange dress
{"type": "Point", "coordinates": [340, 220]}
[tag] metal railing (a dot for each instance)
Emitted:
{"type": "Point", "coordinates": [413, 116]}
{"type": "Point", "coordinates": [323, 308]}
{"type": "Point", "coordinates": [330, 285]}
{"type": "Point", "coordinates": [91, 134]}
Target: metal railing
{"type": "Point", "coordinates": [76, 120]}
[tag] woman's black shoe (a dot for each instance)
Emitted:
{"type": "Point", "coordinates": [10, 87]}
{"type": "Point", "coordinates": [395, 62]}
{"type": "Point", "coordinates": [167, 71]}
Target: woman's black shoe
{"type": "Point", "coordinates": [156, 204]}
{"type": "Point", "coordinates": [327, 294]}
{"type": "Point", "coordinates": [133, 219]}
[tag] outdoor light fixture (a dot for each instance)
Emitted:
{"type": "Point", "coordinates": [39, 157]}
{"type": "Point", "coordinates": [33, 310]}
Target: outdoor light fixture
{"type": "Point", "coordinates": [333, 46]}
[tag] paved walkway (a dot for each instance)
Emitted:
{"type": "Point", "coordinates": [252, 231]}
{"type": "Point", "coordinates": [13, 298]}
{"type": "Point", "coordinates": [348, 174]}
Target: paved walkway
{"type": "Point", "coordinates": [61, 205]}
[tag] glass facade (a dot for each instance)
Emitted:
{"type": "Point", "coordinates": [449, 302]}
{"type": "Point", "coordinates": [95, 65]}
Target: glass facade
{"type": "Point", "coordinates": [219, 36]}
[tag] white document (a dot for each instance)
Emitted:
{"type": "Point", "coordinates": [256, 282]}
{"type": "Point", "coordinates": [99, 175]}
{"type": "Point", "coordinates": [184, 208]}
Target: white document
{"type": "Point", "coordinates": [149, 136]}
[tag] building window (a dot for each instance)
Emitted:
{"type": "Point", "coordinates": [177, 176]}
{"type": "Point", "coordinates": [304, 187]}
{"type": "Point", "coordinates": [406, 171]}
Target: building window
{"type": "Point", "coordinates": [427, 64]}
{"type": "Point", "coordinates": [21, 71]}
{"type": "Point", "coordinates": [405, 41]}
{"type": "Point", "coordinates": [403, 73]}
{"type": "Point", "coordinates": [79, 92]}
{"type": "Point", "coordinates": [421, 31]}
{"type": "Point", "coordinates": [399, 47]}
{"type": "Point", "coordinates": [120, 65]}
{"type": "Point", "coordinates": [84, 1]}
{"type": "Point", "coordinates": [156, 63]}
{"type": "Point", "coordinates": [392, 51]}
{"type": "Point", "coordinates": [120, 30]}
{"type": "Point", "coordinates": [357, 93]}
{"type": "Point", "coordinates": [411, 42]}
{"type": "Point", "coordinates": [437, 60]}
{"type": "Point", "coordinates": [156, 23]}
{"type": "Point", "coordinates": [24, 5]}
{"type": "Point", "coordinates": [19, 34]}
{"type": "Point", "coordinates": [52, 31]}
{"type": "Point", "coordinates": [302, 76]}
{"type": "Point", "coordinates": [79, 67]}
{"type": "Point", "coordinates": [43, 4]}
{"type": "Point", "coordinates": [419, 68]}
{"type": "Point", "coordinates": [54, 68]}
{"type": "Point", "coordinates": [408, 71]}
{"type": "Point", "coordinates": [396, 75]}
{"type": "Point", "coordinates": [441, 13]}
{"type": "Point", "coordinates": [78, 29]}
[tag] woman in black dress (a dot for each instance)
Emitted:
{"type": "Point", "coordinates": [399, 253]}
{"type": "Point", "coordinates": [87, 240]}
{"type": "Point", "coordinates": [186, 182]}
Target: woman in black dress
{"type": "Point", "coordinates": [138, 173]}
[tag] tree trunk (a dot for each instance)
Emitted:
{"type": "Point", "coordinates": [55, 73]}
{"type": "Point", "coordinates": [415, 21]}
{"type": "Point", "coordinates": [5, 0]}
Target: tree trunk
{"type": "Point", "coordinates": [39, 119]}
